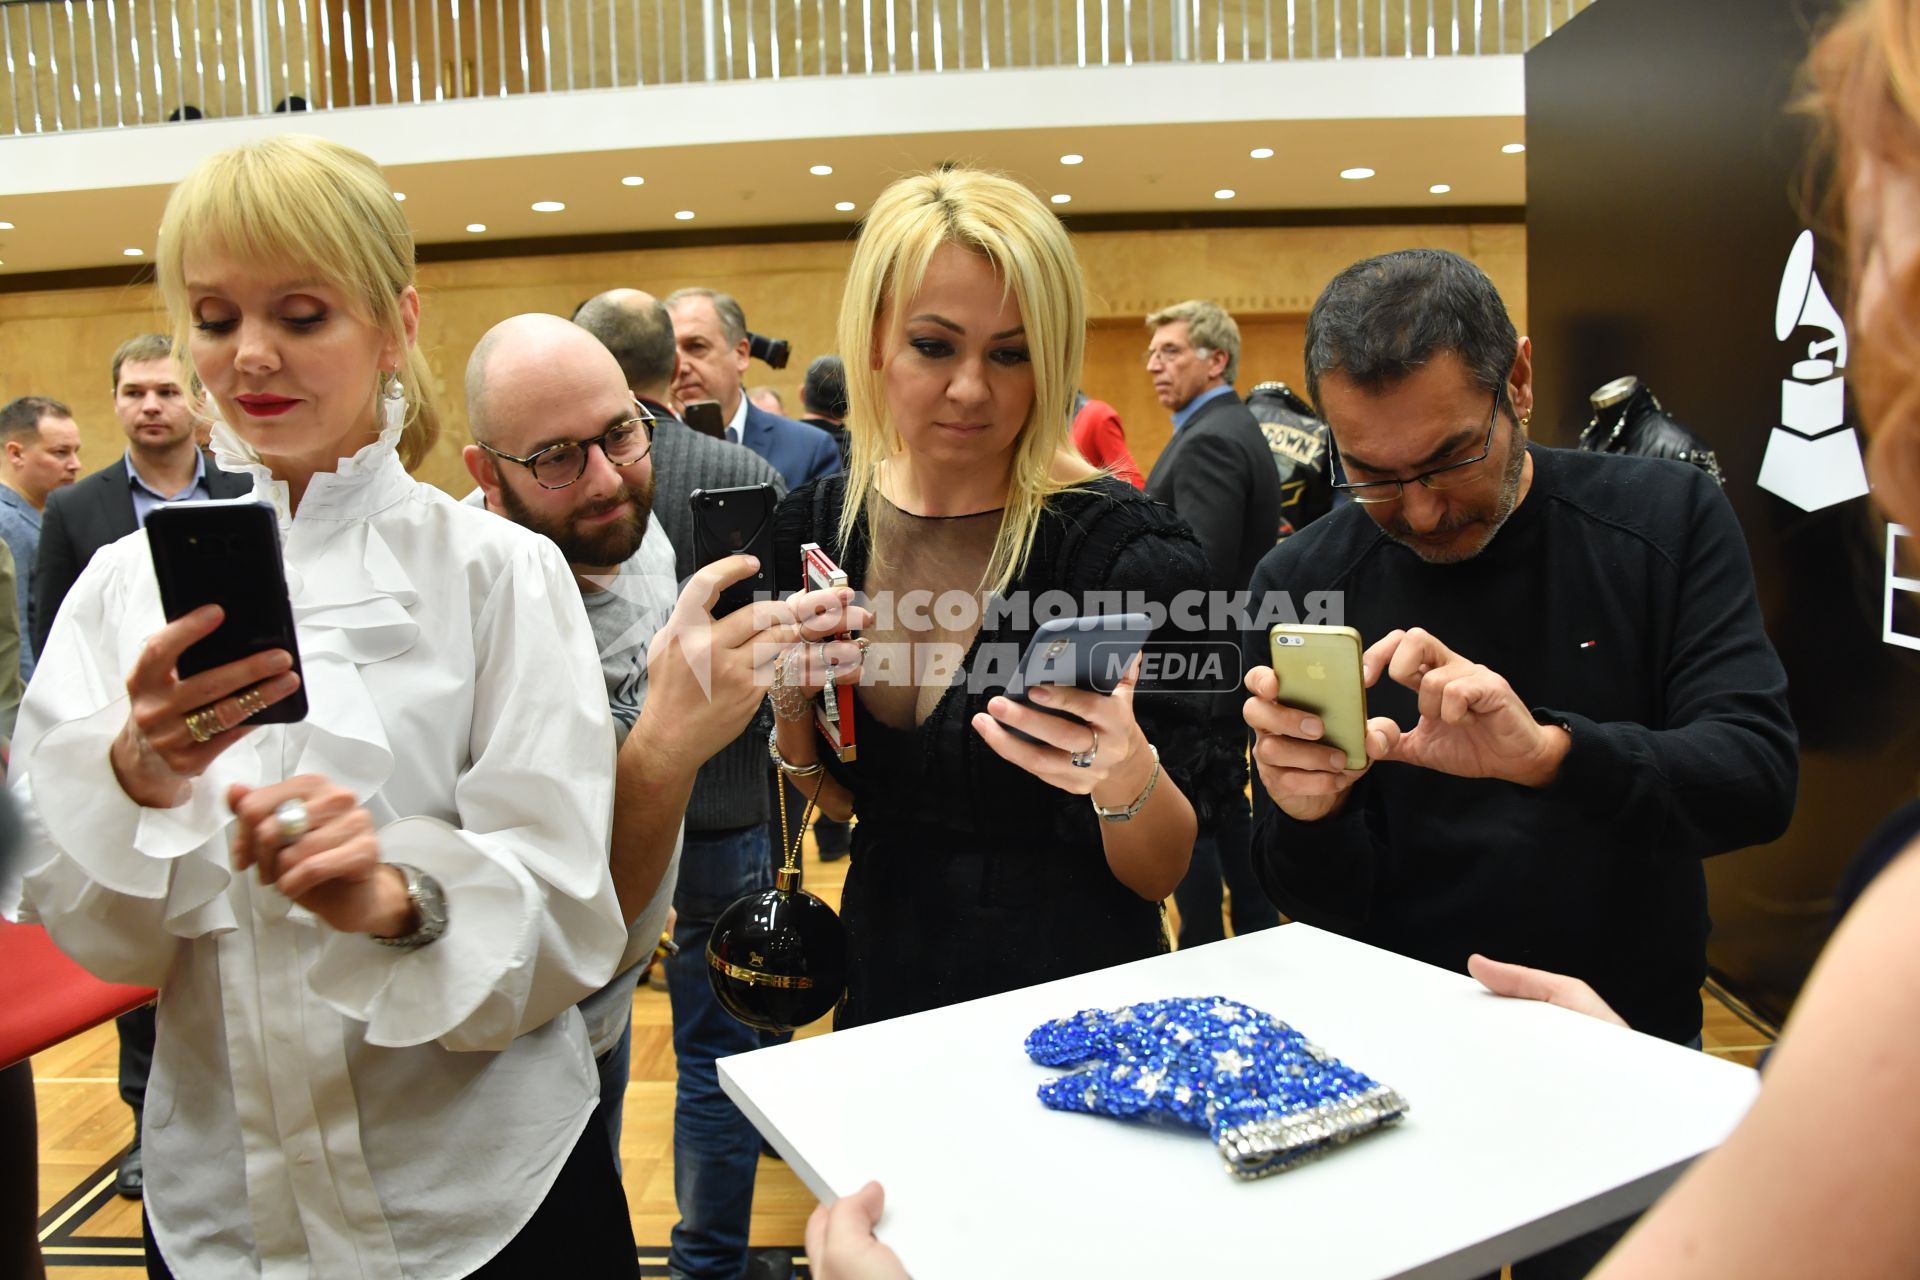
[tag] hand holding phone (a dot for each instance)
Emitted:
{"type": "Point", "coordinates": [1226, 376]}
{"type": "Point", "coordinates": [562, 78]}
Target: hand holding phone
{"type": "Point", "coordinates": [732, 522]}
{"type": "Point", "coordinates": [227, 554]}
{"type": "Point", "coordinates": [158, 753]}
{"type": "Point", "coordinates": [1320, 673]}
{"type": "Point", "coordinates": [1090, 653]}
{"type": "Point", "coordinates": [1309, 717]}
{"type": "Point", "coordinates": [226, 661]}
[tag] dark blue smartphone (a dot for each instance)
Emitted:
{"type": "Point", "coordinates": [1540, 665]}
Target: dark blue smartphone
{"type": "Point", "coordinates": [1090, 653]}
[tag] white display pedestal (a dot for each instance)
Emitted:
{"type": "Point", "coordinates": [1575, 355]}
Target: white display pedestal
{"type": "Point", "coordinates": [1528, 1125]}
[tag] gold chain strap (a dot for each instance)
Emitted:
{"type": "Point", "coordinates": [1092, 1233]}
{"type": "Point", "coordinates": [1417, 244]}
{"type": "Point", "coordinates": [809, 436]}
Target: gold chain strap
{"type": "Point", "coordinates": [790, 841]}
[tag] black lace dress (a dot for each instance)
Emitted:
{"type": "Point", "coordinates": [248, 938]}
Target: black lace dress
{"type": "Point", "coordinates": [970, 876]}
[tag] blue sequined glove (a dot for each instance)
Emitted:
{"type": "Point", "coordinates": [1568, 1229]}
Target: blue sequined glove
{"type": "Point", "coordinates": [1269, 1097]}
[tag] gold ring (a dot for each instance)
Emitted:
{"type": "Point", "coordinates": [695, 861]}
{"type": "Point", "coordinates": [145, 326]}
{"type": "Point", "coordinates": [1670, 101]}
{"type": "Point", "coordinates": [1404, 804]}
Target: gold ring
{"type": "Point", "coordinates": [251, 704]}
{"type": "Point", "coordinates": [204, 725]}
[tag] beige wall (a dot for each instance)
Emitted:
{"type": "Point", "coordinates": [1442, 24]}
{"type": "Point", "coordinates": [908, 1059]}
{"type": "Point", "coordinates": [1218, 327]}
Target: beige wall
{"type": "Point", "coordinates": [60, 343]}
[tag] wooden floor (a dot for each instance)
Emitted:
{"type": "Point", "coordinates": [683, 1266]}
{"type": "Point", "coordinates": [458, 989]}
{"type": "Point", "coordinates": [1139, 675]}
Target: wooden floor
{"type": "Point", "coordinates": [88, 1233]}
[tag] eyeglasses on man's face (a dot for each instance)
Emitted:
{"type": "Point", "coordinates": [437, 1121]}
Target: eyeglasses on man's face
{"type": "Point", "coordinates": [1454, 475]}
{"type": "Point", "coordinates": [1168, 353]}
{"type": "Point", "coordinates": [559, 465]}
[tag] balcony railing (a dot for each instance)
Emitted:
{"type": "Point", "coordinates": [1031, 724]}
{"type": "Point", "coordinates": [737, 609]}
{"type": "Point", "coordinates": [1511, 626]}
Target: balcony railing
{"type": "Point", "coordinates": [93, 64]}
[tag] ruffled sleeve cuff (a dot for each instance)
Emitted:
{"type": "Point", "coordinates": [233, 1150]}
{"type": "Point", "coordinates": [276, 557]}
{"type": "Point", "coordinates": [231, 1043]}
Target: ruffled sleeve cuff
{"type": "Point", "coordinates": [101, 835]}
{"type": "Point", "coordinates": [514, 949]}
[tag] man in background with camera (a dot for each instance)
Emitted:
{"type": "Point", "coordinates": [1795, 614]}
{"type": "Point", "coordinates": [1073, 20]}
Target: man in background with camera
{"type": "Point", "coordinates": [729, 846]}
{"type": "Point", "coordinates": [714, 346]}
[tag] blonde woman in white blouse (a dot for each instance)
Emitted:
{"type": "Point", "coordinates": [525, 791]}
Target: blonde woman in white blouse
{"type": "Point", "coordinates": [322, 1104]}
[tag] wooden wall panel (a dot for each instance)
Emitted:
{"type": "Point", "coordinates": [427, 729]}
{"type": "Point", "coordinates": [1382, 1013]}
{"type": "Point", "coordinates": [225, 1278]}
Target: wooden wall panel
{"type": "Point", "coordinates": [59, 343]}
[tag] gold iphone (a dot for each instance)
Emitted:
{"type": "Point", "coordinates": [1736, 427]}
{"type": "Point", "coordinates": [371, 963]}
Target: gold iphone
{"type": "Point", "coordinates": [1319, 671]}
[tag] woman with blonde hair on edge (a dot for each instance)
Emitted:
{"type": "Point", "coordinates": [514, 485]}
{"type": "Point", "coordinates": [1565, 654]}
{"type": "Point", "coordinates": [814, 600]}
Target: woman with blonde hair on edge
{"type": "Point", "coordinates": [981, 862]}
{"type": "Point", "coordinates": [368, 928]}
{"type": "Point", "coordinates": [1821, 1176]}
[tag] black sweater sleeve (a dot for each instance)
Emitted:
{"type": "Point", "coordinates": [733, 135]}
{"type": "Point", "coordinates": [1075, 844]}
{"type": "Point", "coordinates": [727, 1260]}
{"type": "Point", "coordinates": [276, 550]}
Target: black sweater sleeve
{"type": "Point", "coordinates": [1322, 871]}
{"type": "Point", "coordinates": [1721, 771]}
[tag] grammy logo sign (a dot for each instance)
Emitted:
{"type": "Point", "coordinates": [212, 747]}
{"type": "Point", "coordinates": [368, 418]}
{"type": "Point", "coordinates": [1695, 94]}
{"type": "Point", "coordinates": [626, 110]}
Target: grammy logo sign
{"type": "Point", "coordinates": [1813, 457]}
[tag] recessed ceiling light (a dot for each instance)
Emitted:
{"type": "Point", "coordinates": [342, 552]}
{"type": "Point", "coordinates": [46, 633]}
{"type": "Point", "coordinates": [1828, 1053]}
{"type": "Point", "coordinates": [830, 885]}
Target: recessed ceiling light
{"type": "Point", "coordinates": [400, 196]}
{"type": "Point", "coordinates": [845, 206]}
{"type": "Point", "coordinates": [476, 227]}
{"type": "Point", "coordinates": [1071, 158]}
{"type": "Point", "coordinates": [1438, 189]}
{"type": "Point", "coordinates": [548, 206]}
{"type": "Point", "coordinates": [633, 180]}
{"type": "Point", "coordinates": [1356, 175]}
{"type": "Point", "coordinates": [133, 253]}
{"type": "Point", "coordinates": [1225, 193]}
{"type": "Point", "coordinates": [685, 215]}
{"type": "Point", "coordinates": [6, 226]}
{"type": "Point", "coordinates": [1514, 148]}
{"type": "Point", "coordinates": [821, 170]}
{"type": "Point", "coordinates": [1061, 197]}
{"type": "Point", "coordinates": [1261, 153]}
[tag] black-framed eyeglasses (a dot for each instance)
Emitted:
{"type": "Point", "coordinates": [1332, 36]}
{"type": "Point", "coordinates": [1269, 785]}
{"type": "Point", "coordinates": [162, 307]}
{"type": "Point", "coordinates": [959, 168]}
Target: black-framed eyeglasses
{"type": "Point", "coordinates": [1452, 476]}
{"type": "Point", "coordinates": [559, 465]}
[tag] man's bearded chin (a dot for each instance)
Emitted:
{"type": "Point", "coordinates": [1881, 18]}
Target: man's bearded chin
{"type": "Point", "coordinates": [1506, 498]}
{"type": "Point", "coordinates": [608, 544]}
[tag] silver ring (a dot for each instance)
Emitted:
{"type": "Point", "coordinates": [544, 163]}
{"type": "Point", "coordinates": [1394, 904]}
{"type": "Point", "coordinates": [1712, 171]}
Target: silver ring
{"type": "Point", "coordinates": [1084, 759]}
{"type": "Point", "coordinates": [294, 820]}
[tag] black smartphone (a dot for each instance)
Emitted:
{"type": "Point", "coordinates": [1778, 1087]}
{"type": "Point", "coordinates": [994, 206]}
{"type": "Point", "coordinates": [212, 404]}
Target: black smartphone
{"type": "Point", "coordinates": [705, 417]}
{"type": "Point", "coordinates": [227, 553]}
{"type": "Point", "coordinates": [1090, 652]}
{"type": "Point", "coordinates": [734, 522]}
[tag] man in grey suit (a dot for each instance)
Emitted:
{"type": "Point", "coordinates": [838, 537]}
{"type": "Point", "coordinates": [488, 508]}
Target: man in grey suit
{"type": "Point", "coordinates": [1218, 475]}
{"type": "Point", "coordinates": [710, 331]}
{"type": "Point", "coordinates": [729, 849]}
{"type": "Point", "coordinates": [163, 463]}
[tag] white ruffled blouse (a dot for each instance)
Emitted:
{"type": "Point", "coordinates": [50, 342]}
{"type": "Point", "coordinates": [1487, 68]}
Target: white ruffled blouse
{"type": "Point", "coordinates": [321, 1105]}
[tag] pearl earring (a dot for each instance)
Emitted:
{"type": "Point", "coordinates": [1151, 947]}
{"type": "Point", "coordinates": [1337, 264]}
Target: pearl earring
{"type": "Point", "coordinates": [393, 404]}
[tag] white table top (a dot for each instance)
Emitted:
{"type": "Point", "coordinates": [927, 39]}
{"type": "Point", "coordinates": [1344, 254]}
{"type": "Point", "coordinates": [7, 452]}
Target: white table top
{"type": "Point", "coordinates": [1528, 1125]}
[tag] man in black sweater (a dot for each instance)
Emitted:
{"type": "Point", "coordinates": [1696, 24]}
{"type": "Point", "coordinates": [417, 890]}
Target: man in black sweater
{"type": "Point", "coordinates": [1580, 702]}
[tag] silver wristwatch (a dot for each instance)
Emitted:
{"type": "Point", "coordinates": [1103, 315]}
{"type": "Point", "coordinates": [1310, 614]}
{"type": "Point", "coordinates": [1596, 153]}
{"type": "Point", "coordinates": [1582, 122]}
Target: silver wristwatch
{"type": "Point", "coordinates": [425, 894]}
{"type": "Point", "coordinates": [1139, 801]}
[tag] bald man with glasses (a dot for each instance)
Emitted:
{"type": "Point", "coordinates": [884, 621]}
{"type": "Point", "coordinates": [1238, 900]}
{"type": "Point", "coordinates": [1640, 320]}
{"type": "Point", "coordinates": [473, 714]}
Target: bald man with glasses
{"type": "Point", "coordinates": [562, 447]}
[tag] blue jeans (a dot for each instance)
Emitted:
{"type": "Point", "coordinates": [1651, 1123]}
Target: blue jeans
{"type": "Point", "coordinates": [715, 1149]}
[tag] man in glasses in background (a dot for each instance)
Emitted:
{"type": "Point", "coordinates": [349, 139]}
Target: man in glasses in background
{"type": "Point", "coordinates": [1218, 475]}
{"type": "Point", "coordinates": [562, 448]}
{"type": "Point", "coordinates": [1579, 702]}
